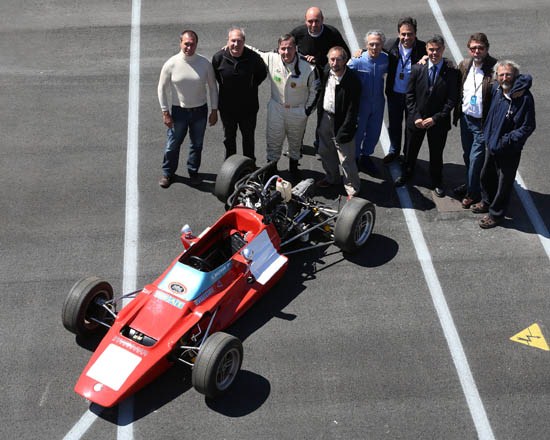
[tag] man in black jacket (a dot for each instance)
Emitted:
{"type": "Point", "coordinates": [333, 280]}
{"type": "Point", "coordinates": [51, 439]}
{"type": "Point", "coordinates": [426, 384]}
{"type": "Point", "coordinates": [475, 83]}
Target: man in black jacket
{"type": "Point", "coordinates": [337, 111]}
{"type": "Point", "coordinates": [431, 96]}
{"type": "Point", "coordinates": [474, 99]}
{"type": "Point", "coordinates": [404, 52]}
{"type": "Point", "coordinates": [314, 38]}
{"type": "Point", "coordinates": [239, 71]}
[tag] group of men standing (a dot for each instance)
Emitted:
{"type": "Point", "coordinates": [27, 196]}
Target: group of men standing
{"type": "Point", "coordinates": [312, 69]}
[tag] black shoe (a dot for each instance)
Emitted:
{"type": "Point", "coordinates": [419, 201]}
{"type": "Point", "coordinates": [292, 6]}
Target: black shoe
{"type": "Point", "coordinates": [460, 191]}
{"type": "Point", "coordinates": [165, 181]}
{"type": "Point", "coordinates": [439, 192]}
{"type": "Point", "coordinates": [294, 171]}
{"type": "Point", "coordinates": [390, 157]}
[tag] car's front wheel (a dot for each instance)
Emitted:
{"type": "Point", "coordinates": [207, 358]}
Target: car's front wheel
{"type": "Point", "coordinates": [217, 364]}
{"type": "Point", "coordinates": [354, 224]}
{"type": "Point", "coordinates": [83, 307]}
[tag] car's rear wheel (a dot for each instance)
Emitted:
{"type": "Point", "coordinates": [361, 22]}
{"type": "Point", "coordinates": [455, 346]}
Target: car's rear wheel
{"type": "Point", "coordinates": [354, 224]}
{"type": "Point", "coordinates": [234, 168]}
{"type": "Point", "coordinates": [83, 306]}
{"type": "Point", "coordinates": [217, 364]}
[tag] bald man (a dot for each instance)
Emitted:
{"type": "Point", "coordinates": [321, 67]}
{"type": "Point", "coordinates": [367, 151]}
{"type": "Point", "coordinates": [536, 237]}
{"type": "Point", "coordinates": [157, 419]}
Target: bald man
{"type": "Point", "coordinates": [314, 38]}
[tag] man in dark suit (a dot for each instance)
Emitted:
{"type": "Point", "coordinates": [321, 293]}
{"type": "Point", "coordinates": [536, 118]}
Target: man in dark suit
{"type": "Point", "coordinates": [431, 96]}
{"type": "Point", "coordinates": [337, 111]}
{"type": "Point", "coordinates": [403, 52]}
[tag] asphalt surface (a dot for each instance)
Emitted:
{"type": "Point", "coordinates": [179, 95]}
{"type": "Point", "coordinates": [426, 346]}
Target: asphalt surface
{"type": "Point", "coordinates": [344, 347]}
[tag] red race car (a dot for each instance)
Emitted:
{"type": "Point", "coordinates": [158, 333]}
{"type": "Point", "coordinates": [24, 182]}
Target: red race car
{"type": "Point", "coordinates": [220, 274]}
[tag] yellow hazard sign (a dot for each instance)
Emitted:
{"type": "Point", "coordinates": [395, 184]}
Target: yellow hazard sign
{"type": "Point", "coordinates": [531, 336]}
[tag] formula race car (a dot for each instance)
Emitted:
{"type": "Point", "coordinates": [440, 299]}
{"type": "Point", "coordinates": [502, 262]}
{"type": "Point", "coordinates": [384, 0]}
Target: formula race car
{"type": "Point", "coordinates": [220, 274]}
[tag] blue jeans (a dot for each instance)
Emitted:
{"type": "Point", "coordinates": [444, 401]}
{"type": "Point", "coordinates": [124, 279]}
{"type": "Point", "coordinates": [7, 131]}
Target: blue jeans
{"type": "Point", "coordinates": [473, 147]}
{"type": "Point", "coordinates": [192, 119]}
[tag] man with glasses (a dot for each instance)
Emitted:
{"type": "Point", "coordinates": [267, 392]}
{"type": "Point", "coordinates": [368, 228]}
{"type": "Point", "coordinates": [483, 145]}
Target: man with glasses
{"type": "Point", "coordinates": [474, 91]}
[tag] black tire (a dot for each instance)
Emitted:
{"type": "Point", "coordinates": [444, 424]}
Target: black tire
{"type": "Point", "coordinates": [234, 168]}
{"type": "Point", "coordinates": [82, 303]}
{"type": "Point", "coordinates": [217, 364]}
{"type": "Point", "coordinates": [354, 224]}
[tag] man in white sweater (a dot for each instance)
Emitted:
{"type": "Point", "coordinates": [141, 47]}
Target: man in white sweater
{"type": "Point", "coordinates": [182, 86]}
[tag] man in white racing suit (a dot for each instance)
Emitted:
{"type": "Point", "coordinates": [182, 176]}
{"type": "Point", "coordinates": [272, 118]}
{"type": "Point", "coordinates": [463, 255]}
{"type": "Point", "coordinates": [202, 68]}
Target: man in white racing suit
{"type": "Point", "coordinates": [294, 87]}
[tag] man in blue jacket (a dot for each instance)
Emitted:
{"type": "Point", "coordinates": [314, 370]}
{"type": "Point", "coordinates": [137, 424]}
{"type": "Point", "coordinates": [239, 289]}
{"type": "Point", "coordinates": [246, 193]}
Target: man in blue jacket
{"type": "Point", "coordinates": [371, 68]}
{"type": "Point", "coordinates": [510, 121]}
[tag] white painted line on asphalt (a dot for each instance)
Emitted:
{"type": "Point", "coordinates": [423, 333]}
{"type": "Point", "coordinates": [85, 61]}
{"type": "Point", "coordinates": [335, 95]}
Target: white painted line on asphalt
{"type": "Point", "coordinates": [533, 213]}
{"type": "Point", "coordinates": [80, 428]}
{"type": "Point", "coordinates": [447, 34]}
{"type": "Point", "coordinates": [450, 332]}
{"type": "Point", "coordinates": [131, 227]}
{"type": "Point", "coordinates": [125, 429]}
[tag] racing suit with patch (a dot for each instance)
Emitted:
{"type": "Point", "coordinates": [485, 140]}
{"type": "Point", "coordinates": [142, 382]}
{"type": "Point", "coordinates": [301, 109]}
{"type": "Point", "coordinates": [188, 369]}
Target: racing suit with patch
{"type": "Point", "coordinates": [294, 90]}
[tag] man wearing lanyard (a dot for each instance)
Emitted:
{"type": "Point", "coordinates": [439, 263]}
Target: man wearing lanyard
{"type": "Point", "coordinates": [474, 91]}
{"type": "Point", "coordinates": [431, 96]}
{"type": "Point", "coordinates": [403, 51]}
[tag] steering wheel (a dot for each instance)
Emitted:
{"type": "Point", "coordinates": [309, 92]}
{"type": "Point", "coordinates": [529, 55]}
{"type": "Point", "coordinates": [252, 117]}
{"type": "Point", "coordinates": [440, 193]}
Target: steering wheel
{"type": "Point", "coordinates": [200, 263]}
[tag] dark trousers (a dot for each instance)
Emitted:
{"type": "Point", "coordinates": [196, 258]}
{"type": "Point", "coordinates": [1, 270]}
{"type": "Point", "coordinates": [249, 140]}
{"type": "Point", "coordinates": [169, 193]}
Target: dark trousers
{"type": "Point", "coordinates": [247, 126]}
{"type": "Point", "coordinates": [397, 112]}
{"type": "Point", "coordinates": [497, 181]}
{"type": "Point", "coordinates": [437, 136]}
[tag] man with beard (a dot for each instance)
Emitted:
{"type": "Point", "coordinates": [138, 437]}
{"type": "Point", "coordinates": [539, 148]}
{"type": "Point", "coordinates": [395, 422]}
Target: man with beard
{"type": "Point", "coordinates": [337, 111]}
{"type": "Point", "coordinates": [510, 121]}
{"type": "Point", "coordinates": [404, 52]}
{"type": "Point", "coordinates": [474, 91]}
{"type": "Point", "coordinates": [239, 71]}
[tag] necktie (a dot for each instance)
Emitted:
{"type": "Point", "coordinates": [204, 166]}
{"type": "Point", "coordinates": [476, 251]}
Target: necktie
{"type": "Point", "coordinates": [433, 70]}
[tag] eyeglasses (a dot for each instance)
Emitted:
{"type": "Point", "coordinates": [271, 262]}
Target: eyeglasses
{"type": "Point", "coordinates": [474, 48]}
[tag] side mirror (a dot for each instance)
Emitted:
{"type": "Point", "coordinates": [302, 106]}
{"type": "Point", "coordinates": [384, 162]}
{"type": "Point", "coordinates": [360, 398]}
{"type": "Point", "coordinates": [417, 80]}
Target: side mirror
{"type": "Point", "coordinates": [248, 254]}
{"type": "Point", "coordinates": [186, 230]}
